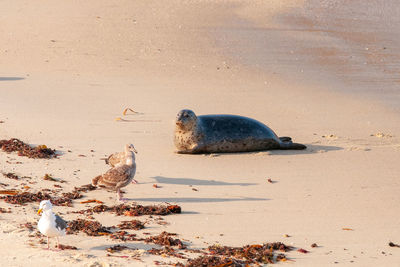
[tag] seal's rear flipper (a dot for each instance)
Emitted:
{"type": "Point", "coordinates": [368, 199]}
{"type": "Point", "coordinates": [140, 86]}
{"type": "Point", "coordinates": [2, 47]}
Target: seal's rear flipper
{"type": "Point", "coordinates": [290, 145]}
{"type": "Point", "coordinates": [285, 139]}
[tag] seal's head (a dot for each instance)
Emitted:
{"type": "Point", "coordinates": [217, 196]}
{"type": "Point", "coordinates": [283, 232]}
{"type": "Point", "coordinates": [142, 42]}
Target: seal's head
{"type": "Point", "coordinates": [186, 119]}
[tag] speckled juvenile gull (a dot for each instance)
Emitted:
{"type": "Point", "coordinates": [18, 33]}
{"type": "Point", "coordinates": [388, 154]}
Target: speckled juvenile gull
{"type": "Point", "coordinates": [118, 158]}
{"type": "Point", "coordinates": [50, 224]}
{"type": "Point", "coordinates": [120, 175]}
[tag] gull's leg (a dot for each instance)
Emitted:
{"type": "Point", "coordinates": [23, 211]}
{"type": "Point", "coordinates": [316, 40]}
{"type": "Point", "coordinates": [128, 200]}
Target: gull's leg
{"type": "Point", "coordinates": [119, 196]}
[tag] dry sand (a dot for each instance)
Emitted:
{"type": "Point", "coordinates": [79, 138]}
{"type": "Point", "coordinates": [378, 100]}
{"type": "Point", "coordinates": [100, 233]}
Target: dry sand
{"type": "Point", "coordinates": [323, 72]}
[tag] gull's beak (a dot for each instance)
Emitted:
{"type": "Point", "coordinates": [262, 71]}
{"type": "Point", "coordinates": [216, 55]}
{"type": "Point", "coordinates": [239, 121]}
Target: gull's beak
{"type": "Point", "coordinates": [39, 211]}
{"type": "Point", "coordinates": [133, 149]}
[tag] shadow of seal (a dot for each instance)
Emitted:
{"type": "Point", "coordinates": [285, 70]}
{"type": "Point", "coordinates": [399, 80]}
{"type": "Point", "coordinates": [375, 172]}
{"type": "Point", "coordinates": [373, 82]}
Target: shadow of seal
{"type": "Point", "coordinates": [225, 134]}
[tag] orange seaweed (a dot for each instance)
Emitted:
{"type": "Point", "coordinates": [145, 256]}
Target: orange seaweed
{"type": "Point", "coordinates": [9, 192]}
{"type": "Point", "coordinates": [91, 201]}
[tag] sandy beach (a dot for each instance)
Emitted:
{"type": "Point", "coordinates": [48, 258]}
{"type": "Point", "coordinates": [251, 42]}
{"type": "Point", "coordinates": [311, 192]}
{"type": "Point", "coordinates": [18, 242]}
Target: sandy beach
{"type": "Point", "coordinates": [325, 73]}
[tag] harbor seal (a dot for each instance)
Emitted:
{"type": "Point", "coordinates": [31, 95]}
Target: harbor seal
{"type": "Point", "coordinates": [225, 134]}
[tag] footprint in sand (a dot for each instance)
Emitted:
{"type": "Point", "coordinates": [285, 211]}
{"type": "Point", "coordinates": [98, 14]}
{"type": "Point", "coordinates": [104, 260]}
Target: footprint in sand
{"type": "Point", "coordinates": [382, 135]}
{"type": "Point", "coordinates": [330, 136]}
{"type": "Point", "coordinates": [8, 228]}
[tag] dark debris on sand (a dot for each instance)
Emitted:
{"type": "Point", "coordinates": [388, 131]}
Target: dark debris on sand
{"type": "Point", "coordinates": [3, 210]}
{"type": "Point", "coordinates": [118, 248]}
{"type": "Point", "coordinates": [72, 195]}
{"type": "Point", "coordinates": [133, 224]}
{"type": "Point", "coordinates": [64, 200]}
{"type": "Point", "coordinates": [28, 225]}
{"type": "Point", "coordinates": [64, 247]}
{"type": "Point", "coordinates": [241, 256]}
{"type": "Point", "coordinates": [204, 261]}
{"type": "Point", "coordinates": [26, 150]}
{"type": "Point", "coordinates": [134, 209]}
{"type": "Point", "coordinates": [26, 197]}
{"type": "Point", "coordinates": [85, 188]}
{"type": "Point", "coordinates": [49, 177]}
{"type": "Point", "coordinates": [91, 228]}
{"type": "Point", "coordinates": [125, 236]}
{"type": "Point", "coordinates": [11, 175]}
{"type": "Point", "coordinates": [165, 239]}
{"type": "Point", "coordinates": [4, 185]}
{"type": "Point", "coordinates": [391, 244]}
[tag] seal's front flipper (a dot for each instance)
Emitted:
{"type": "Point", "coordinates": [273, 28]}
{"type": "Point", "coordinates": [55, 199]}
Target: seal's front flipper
{"type": "Point", "coordinates": [194, 149]}
{"type": "Point", "coordinates": [285, 139]}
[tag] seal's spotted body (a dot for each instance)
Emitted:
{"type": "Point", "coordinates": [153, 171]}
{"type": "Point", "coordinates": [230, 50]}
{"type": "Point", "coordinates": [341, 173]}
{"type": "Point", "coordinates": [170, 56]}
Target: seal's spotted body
{"type": "Point", "coordinates": [225, 133]}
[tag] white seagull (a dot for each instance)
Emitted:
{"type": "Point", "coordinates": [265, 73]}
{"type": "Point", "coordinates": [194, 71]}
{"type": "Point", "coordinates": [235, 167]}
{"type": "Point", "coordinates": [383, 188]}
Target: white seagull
{"type": "Point", "coordinates": [50, 224]}
{"type": "Point", "coordinates": [120, 175]}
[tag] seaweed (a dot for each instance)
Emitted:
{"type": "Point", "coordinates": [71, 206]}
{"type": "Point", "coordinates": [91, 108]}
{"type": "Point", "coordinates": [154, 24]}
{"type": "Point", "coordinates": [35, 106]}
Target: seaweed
{"type": "Point", "coordinates": [84, 188]}
{"type": "Point", "coordinates": [28, 225]}
{"type": "Point", "coordinates": [252, 254]}
{"type": "Point", "coordinates": [26, 150]}
{"type": "Point", "coordinates": [48, 177]}
{"type": "Point", "coordinates": [134, 209]}
{"type": "Point", "coordinates": [12, 192]}
{"type": "Point", "coordinates": [91, 201]}
{"type": "Point", "coordinates": [64, 247]}
{"type": "Point", "coordinates": [124, 236]}
{"type": "Point", "coordinates": [133, 224]}
{"type": "Point", "coordinates": [11, 175]}
{"type": "Point", "coordinates": [26, 197]}
{"type": "Point", "coordinates": [72, 195]}
{"type": "Point", "coordinates": [117, 248]}
{"type": "Point", "coordinates": [91, 228]}
{"type": "Point", "coordinates": [165, 239]}
{"type": "Point", "coordinates": [213, 261]}
{"type": "Point", "coordinates": [302, 250]}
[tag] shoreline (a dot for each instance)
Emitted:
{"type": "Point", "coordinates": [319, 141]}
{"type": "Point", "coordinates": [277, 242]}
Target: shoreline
{"type": "Point", "coordinates": [302, 42]}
